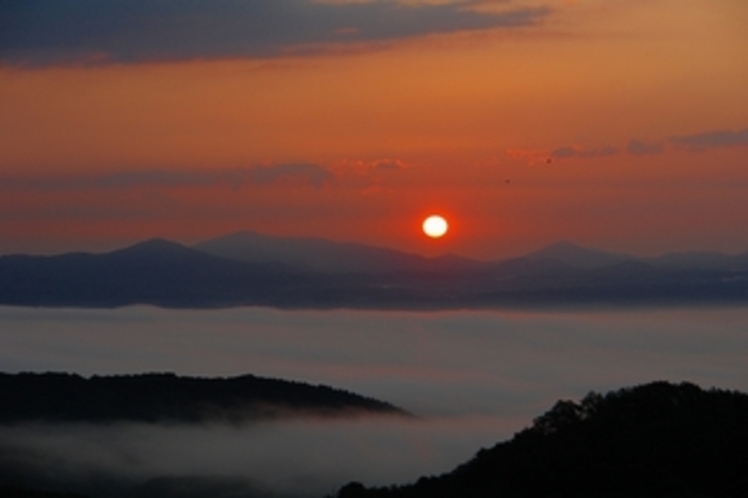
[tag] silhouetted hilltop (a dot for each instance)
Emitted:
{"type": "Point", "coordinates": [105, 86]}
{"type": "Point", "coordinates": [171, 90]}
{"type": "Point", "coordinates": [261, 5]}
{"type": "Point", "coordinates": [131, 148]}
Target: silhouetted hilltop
{"type": "Point", "coordinates": [654, 440]}
{"type": "Point", "coordinates": [313, 254]}
{"type": "Point", "coordinates": [62, 397]}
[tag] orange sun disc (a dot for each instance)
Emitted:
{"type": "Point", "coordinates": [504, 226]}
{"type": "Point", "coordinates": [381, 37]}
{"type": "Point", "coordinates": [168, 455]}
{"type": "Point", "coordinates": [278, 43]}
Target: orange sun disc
{"type": "Point", "coordinates": [435, 226]}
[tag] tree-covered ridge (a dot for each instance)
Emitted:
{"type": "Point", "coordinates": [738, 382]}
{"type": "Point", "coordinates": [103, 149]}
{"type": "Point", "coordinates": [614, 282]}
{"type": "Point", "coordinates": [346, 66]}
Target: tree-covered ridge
{"type": "Point", "coordinates": [654, 440]}
{"type": "Point", "coordinates": [63, 397]}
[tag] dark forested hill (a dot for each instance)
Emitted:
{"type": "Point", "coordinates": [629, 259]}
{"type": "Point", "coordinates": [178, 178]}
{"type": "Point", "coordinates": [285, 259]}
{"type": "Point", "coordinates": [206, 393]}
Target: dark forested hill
{"type": "Point", "coordinates": [167, 398]}
{"type": "Point", "coordinates": [654, 440]}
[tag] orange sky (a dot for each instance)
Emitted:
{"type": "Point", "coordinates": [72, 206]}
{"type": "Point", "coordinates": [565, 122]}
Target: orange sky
{"type": "Point", "coordinates": [617, 124]}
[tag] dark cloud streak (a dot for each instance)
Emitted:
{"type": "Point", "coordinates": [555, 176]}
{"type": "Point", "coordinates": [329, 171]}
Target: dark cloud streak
{"type": "Point", "coordinates": [639, 148]}
{"type": "Point", "coordinates": [712, 139]}
{"type": "Point", "coordinates": [304, 174]}
{"type": "Point", "coordinates": [312, 174]}
{"type": "Point", "coordinates": [568, 152]}
{"type": "Point", "coordinates": [41, 32]}
{"type": "Point", "coordinates": [696, 142]}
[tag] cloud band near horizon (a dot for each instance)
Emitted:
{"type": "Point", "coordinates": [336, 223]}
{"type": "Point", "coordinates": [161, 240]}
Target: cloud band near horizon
{"type": "Point", "coordinates": [697, 142]}
{"type": "Point", "coordinates": [303, 174]}
{"type": "Point", "coordinates": [45, 32]}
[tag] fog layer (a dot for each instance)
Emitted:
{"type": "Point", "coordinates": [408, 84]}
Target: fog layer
{"type": "Point", "coordinates": [474, 378]}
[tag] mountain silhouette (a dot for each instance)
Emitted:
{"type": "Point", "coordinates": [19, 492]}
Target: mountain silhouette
{"type": "Point", "coordinates": [654, 440]}
{"type": "Point", "coordinates": [576, 255]}
{"type": "Point", "coordinates": [325, 256]}
{"type": "Point", "coordinates": [700, 260]}
{"type": "Point", "coordinates": [62, 397]}
{"type": "Point", "coordinates": [155, 272]}
{"type": "Point", "coordinates": [249, 269]}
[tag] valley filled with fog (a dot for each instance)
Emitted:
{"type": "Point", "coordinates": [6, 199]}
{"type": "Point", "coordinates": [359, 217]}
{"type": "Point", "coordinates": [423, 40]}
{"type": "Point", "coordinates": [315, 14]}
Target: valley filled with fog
{"type": "Point", "coordinates": [472, 379]}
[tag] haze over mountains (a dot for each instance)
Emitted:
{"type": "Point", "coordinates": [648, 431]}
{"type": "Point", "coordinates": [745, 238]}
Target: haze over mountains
{"type": "Point", "coordinates": [313, 254]}
{"type": "Point", "coordinates": [247, 268]}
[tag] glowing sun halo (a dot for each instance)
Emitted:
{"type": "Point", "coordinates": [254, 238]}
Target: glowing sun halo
{"type": "Point", "coordinates": [435, 226]}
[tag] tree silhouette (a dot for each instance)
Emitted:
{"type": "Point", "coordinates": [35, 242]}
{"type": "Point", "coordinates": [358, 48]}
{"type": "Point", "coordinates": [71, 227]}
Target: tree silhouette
{"type": "Point", "coordinates": [164, 397]}
{"type": "Point", "coordinates": [654, 440]}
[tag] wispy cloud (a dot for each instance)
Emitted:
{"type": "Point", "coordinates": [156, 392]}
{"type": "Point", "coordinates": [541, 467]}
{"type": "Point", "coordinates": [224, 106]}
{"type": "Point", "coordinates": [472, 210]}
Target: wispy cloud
{"type": "Point", "coordinates": [312, 174]}
{"type": "Point", "coordinates": [639, 148]}
{"type": "Point", "coordinates": [567, 152]}
{"type": "Point", "coordinates": [706, 140]}
{"type": "Point", "coordinates": [40, 32]}
{"type": "Point", "coordinates": [304, 174]}
{"type": "Point", "coordinates": [712, 139]}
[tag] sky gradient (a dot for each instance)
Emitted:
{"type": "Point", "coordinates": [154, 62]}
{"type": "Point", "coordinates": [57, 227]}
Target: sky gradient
{"type": "Point", "coordinates": [616, 124]}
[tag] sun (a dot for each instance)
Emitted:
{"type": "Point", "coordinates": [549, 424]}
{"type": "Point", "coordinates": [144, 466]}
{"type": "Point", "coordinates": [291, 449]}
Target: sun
{"type": "Point", "coordinates": [435, 226]}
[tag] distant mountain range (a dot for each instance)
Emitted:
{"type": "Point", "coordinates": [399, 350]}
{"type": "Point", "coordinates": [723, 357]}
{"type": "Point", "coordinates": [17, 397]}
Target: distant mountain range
{"type": "Point", "coordinates": [653, 440]}
{"type": "Point", "coordinates": [167, 398]}
{"type": "Point", "coordinates": [247, 268]}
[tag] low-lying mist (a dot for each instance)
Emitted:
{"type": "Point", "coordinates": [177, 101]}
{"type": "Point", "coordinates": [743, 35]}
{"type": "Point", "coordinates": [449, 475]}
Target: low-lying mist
{"type": "Point", "coordinates": [299, 458]}
{"type": "Point", "coordinates": [473, 378]}
{"type": "Point", "coordinates": [432, 364]}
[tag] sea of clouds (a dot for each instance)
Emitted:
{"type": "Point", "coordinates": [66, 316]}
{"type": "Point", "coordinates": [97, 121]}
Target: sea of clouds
{"type": "Point", "coordinates": [472, 378]}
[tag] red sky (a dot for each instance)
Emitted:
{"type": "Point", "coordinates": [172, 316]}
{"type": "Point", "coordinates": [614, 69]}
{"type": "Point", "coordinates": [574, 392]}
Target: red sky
{"type": "Point", "coordinates": [620, 124]}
